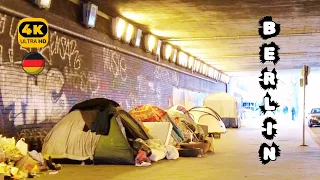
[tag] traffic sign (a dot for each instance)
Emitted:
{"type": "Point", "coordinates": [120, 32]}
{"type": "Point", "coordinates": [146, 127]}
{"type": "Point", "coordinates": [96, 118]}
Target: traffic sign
{"type": "Point", "coordinates": [305, 70]}
{"type": "Point", "coordinates": [33, 32]}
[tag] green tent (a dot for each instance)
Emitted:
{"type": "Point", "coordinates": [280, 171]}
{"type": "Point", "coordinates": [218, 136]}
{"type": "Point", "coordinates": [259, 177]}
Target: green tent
{"type": "Point", "coordinates": [98, 130]}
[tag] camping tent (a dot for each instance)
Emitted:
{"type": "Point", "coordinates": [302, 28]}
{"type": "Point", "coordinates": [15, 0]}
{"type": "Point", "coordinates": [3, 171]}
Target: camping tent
{"type": "Point", "coordinates": [188, 119]}
{"type": "Point", "coordinates": [151, 113]}
{"type": "Point", "coordinates": [96, 129]}
{"type": "Point", "coordinates": [181, 120]}
{"type": "Point", "coordinates": [226, 106]}
{"type": "Point", "coordinates": [208, 117]}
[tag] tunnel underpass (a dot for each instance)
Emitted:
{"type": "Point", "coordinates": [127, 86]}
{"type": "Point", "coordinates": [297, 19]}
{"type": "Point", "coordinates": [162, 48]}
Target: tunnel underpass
{"type": "Point", "coordinates": [149, 57]}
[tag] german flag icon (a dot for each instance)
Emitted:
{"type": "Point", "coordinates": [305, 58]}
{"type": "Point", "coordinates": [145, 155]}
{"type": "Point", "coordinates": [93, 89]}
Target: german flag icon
{"type": "Point", "coordinates": [33, 63]}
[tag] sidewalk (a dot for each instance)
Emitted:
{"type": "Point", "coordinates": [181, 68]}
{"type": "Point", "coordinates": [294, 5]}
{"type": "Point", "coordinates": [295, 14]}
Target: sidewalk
{"type": "Point", "coordinates": [236, 157]}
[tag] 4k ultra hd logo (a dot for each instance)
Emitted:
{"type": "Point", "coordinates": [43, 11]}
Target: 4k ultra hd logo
{"type": "Point", "coordinates": [269, 81]}
{"type": "Point", "coordinates": [33, 33]}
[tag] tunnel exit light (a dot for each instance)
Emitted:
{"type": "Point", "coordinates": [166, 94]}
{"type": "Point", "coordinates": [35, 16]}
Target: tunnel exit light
{"type": "Point", "coordinates": [43, 4]}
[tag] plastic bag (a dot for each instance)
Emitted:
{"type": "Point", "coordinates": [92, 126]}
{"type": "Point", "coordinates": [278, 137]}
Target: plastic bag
{"type": "Point", "coordinates": [10, 150]}
{"type": "Point", "coordinates": [157, 155]}
{"type": "Point", "coordinates": [26, 164]}
{"type": "Point", "coordinates": [172, 152]}
{"type": "Point", "coordinates": [22, 146]}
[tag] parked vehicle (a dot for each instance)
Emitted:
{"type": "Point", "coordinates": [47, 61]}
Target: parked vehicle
{"type": "Point", "coordinates": [314, 117]}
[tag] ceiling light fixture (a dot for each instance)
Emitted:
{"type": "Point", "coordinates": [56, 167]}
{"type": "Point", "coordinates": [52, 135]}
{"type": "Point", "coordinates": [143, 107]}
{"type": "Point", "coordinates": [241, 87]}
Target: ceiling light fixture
{"type": "Point", "coordinates": [173, 57]}
{"type": "Point", "coordinates": [166, 51]}
{"type": "Point", "coordinates": [137, 35]}
{"type": "Point", "coordinates": [89, 14]}
{"type": "Point", "coordinates": [118, 27]}
{"type": "Point", "coordinates": [43, 4]}
{"type": "Point", "coordinates": [190, 62]}
{"type": "Point", "coordinates": [182, 59]}
{"type": "Point", "coordinates": [129, 33]}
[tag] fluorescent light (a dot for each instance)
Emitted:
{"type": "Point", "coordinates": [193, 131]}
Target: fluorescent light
{"type": "Point", "coordinates": [210, 72]}
{"type": "Point", "coordinates": [166, 51]}
{"type": "Point", "coordinates": [190, 62]}
{"type": "Point", "coordinates": [182, 59]}
{"type": "Point", "coordinates": [216, 74]}
{"type": "Point", "coordinates": [45, 4]}
{"type": "Point", "coordinates": [118, 27]}
{"type": "Point", "coordinates": [89, 12]}
{"type": "Point", "coordinates": [129, 33]}
{"type": "Point", "coordinates": [158, 47]}
{"type": "Point", "coordinates": [204, 69]}
{"type": "Point", "coordinates": [137, 38]}
{"type": "Point", "coordinates": [150, 42]}
{"type": "Point", "coordinates": [197, 66]}
{"type": "Point", "coordinates": [174, 56]}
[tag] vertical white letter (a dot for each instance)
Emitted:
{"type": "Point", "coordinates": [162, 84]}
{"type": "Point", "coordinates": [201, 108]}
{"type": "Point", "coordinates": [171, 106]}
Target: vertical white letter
{"type": "Point", "coordinates": [269, 154]}
{"type": "Point", "coordinates": [269, 53]}
{"type": "Point", "coordinates": [269, 77]}
{"type": "Point", "coordinates": [269, 28]}
{"type": "Point", "coordinates": [269, 128]}
{"type": "Point", "coordinates": [267, 105]}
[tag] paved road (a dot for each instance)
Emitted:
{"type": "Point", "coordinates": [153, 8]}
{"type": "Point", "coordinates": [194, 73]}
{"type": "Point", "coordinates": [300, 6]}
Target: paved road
{"type": "Point", "coordinates": [236, 157]}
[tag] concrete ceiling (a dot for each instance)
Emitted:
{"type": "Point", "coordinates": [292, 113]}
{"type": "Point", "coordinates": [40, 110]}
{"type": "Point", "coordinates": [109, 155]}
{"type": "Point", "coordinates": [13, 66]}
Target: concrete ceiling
{"type": "Point", "coordinates": [225, 33]}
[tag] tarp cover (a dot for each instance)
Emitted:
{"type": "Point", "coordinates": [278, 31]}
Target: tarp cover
{"type": "Point", "coordinates": [224, 104]}
{"type": "Point", "coordinates": [151, 113]}
{"type": "Point", "coordinates": [68, 140]}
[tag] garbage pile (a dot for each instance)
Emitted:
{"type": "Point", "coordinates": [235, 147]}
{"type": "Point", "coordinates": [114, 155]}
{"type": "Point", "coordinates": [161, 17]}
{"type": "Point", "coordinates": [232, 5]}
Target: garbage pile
{"type": "Point", "coordinates": [16, 162]}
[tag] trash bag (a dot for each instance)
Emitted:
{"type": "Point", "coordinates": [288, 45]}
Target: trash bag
{"type": "Point", "coordinates": [22, 146]}
{"type": "Point", "coordinates": [157, 155]}
{"type": "Point", "coordinates": [10, 151]}
{"type": "Point", "coordinates": [172, 152]}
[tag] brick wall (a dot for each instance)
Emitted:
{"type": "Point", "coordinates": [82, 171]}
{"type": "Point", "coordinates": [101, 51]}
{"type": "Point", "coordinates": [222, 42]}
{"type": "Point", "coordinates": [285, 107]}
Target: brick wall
{"type": "Point", "coordinates": [76, 70]}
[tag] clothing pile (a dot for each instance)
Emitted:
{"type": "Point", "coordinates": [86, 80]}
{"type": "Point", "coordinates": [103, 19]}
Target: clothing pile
{"type": "Point", "coordinates": [152, 150]}
{"type": "Point", "coordinates": [16, 162]}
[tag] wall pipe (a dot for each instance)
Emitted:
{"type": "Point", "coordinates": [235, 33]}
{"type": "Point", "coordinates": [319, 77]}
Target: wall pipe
{"type": "Point", "coordinates": [74, 34]}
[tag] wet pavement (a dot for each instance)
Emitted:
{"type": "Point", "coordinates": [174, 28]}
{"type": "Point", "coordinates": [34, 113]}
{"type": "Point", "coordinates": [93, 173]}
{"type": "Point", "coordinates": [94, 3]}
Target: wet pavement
{"type": "Point", "coordinates": [236, 157]}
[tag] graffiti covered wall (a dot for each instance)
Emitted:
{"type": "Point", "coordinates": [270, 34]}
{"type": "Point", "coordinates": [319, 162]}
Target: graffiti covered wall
{"type": "Point", "coordinates": [76, 70]}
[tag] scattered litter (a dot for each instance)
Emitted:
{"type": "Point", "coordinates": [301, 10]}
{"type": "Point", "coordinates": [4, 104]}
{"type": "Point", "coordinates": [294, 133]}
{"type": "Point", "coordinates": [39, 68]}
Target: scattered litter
{"type": "Point", "coordinates": [53, 172]}
{"type": "Point", "coordinates": [17, 163]}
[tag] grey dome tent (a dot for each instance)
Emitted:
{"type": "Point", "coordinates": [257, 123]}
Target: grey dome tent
{"type": "Point", "coordinates": [96, 129]}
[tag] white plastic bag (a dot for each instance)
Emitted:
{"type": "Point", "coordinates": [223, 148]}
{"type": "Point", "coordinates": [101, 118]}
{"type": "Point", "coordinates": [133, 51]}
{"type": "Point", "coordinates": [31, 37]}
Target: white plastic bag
{"type": "Point", "coordinates": [172, 152]}
{"type": "Point", "coordinates": [22, 146]}
{"type": "Point", "coordinates": [157, 155]}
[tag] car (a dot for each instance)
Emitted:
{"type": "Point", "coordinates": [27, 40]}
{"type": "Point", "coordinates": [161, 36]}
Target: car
{"type": "Point", "coordinates": [314, 117]}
